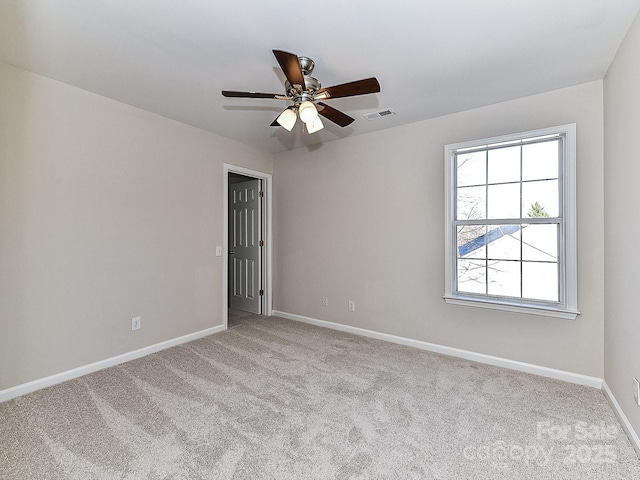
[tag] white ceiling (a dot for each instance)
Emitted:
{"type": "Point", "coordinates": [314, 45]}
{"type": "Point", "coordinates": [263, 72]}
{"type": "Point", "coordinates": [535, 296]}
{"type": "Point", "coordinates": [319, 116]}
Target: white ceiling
{"type": "Point", "coordinates": [173, 57]}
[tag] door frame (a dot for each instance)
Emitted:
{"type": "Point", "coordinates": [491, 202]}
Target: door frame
{"type": "Point", "coordinates": [267, 280]}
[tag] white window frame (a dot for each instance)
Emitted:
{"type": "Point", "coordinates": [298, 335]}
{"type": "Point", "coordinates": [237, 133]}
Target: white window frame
{"type": "Point", "coordinates": [567, 307]}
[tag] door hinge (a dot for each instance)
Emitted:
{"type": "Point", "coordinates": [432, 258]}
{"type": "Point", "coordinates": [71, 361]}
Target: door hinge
{"type": "Point", "coordinates": [261, 194]}
{"type": "Point", "coordinates": [261, 292]}
{"type": "Point", "coordinates": [261, 243]}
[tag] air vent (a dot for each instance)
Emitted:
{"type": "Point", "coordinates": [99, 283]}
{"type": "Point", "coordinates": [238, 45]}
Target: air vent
{"type": "Point", "coordinates": [379, 114]}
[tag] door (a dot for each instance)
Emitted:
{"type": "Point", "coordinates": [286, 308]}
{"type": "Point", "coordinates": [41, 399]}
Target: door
{"type": "Point", "coordinates": [245, 265]}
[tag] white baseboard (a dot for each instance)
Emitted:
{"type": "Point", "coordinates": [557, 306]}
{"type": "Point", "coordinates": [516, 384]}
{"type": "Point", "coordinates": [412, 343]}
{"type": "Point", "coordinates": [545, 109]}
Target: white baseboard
{"type": "Point", "coordinates": [29, 387]}
{"type": "Point", "coordinates": [628, 428]}
{"type": "Point", "coordinates": [454, 352]}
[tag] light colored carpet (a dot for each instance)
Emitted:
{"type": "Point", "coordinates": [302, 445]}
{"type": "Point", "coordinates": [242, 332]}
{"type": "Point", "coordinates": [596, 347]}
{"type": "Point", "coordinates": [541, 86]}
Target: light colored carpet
{"type": "Point", "coordinates": [271, 398]}
{"type": "Point", "coordinates": [239, 317]}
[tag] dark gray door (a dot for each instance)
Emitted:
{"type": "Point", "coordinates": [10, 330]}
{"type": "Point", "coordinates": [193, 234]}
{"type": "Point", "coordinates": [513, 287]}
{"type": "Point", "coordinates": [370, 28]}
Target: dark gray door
{"type": "Point", "coordinates": [244, 246]}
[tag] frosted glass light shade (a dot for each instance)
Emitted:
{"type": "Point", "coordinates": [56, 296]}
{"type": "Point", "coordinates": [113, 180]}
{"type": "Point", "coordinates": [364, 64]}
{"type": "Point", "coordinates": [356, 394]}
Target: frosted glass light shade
{"type": "Point", "coordinates": [307, 112]}
{"type": "Point", "coordinates": [287, 119]}
{"type": "Point", "coordinates": [315, 125]}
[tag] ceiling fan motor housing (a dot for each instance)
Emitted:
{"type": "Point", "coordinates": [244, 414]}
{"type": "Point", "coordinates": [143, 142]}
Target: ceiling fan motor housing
{"type": "Point", "coordinates": [298, 95]}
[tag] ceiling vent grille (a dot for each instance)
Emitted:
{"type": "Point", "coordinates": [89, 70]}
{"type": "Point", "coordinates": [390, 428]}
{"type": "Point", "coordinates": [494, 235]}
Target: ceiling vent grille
{"type": "Point", "coordinates": [379, 114]}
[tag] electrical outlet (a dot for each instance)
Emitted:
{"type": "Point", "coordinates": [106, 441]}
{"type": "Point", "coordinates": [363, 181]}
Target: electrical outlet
{"type": "Point", "coordinates": [636, 391]}
{"type": "Point", "coordinates": [352, 306]}
{"type": "Point", "coordinates": [135, 323]}
{"type": "Point", "coordinates": [325, 302]}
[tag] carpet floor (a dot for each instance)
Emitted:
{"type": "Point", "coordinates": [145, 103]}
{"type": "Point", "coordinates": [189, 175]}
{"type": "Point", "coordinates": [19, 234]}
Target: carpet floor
{"type": "Point", "coordinates": [275, 399]}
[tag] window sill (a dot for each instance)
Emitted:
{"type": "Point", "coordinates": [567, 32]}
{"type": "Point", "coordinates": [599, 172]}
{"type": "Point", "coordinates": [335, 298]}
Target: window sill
{"type": "Point", "coordinates": [509, 307]}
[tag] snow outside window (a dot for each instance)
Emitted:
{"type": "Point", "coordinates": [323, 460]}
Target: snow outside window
{"type": "Point", "coordinates": [510, 222]}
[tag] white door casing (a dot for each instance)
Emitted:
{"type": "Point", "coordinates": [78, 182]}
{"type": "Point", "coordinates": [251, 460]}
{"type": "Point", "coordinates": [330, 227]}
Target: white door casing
{"type": "Point", "coordinates": [267, 201]}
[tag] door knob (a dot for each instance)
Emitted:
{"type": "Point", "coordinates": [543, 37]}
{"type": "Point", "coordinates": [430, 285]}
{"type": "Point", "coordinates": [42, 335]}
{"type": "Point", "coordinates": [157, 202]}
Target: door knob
{"type": "Point", "coordinates": [232, 252]}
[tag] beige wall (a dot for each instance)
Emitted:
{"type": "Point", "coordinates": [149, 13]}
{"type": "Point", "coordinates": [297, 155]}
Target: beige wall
{"type": "Point", "coordinates": [106, 212]}
{"type": "Point", "coordinates": [622, 223]}
{"type": "Point", "coordinates": [362, 219]}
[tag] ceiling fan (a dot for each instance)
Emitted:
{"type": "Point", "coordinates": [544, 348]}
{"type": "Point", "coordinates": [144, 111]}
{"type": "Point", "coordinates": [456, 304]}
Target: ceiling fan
{"type": "Point", "coordinates": [306, 94]}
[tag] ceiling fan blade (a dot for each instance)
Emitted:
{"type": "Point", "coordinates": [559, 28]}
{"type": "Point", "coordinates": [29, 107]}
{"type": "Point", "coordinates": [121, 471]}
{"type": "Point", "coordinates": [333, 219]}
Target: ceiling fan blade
{"type": "Point", "coordinates": [231, 93]}
{"type": "Point", "coordinates": [291, 67]}
{"type": "Point", "coordinates": [359, 87]}
{"type": "Point", "coordinates": [336, 116]}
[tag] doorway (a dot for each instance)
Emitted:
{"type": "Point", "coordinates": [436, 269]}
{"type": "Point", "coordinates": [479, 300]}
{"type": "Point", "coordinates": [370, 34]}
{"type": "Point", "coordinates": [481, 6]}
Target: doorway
{"type": "Point", "coordinates": [247, 242]}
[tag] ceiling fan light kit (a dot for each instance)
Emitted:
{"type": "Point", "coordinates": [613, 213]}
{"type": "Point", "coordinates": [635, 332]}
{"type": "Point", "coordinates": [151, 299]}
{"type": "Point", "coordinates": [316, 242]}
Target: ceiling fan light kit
{"type": "Point", "coordinates": [306, 92]}
{"type": "Point", "coordinates": [287, 119]}
{"type": "Point", "coordinates": [307, 111]}
{"type": "Point", "coordinates": [314, 125]}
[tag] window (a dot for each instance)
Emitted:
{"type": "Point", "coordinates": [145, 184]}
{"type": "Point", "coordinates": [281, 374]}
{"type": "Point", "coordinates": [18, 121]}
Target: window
{"type": "Point", "coordinates": [510, 240]}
